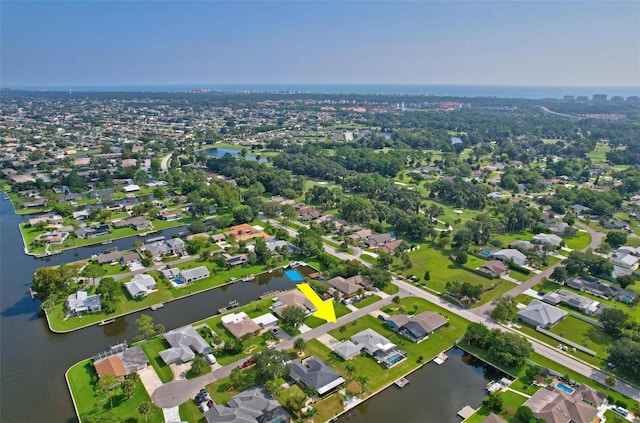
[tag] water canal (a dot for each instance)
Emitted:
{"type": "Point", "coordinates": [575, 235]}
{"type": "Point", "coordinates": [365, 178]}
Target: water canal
{"type": "Point", "coordinates": [434, 393]}
{"type": "Point", "coordinates": [221, 152]}
{"type": "Point", "coordinates": [33, 360]}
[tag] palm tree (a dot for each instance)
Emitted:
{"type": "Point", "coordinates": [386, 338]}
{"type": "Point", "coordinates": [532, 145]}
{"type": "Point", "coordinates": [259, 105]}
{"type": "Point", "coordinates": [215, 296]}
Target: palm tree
{"type": "Point", "coordinates": [363, 381]}
{"type": "Point", "coordinates": [198, 365]}
{"type": "Point", "coordinates": [299, 344]}
{"type": "Point", "coordinates": [144, 408]}
{"type": "Point", "coordinates": [106, 384]}
{"type": "Point", "coordinates": [128, 387]}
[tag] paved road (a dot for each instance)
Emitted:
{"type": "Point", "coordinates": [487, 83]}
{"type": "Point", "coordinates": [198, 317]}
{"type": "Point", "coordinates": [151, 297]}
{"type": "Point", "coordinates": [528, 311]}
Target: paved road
{"type": "Point", "coordinates": [176, 392]}
{"type": "Point", "coordinates": [596, 240]}
{"type": "Point", "coordinates": [164, 164]}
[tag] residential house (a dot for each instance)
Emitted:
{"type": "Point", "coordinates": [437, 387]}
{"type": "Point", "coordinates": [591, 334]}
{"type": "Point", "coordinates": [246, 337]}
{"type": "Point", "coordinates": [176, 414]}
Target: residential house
{"type": "Point", "coordinates": [281, 245]}
{"type": "Point", "coordinates": [600, 289]}
{"type": "Point", "coordinates": [347, 350]}
{"type": "Point", "coordinates": [360, 235]}
{"type": "Point", "coordinates": [308, 213]}
{"type": "Point", "coordinates": [218, 237]}
{"type": "Point", "coordinates": [195, 274]}
{"type": "Point", "coordinates": [185, 343]}
{"type": "Point", "coordinates": [541, 314]}
{"type": "Point", "coordinates": [176, 246]}
{"type": "Point", "coordinates": [292, 298]}
{"type": "Point", "coordinates": [240, 325]}
{"type": "Point", "coordinates": [510, 255]}
{"type": "Point", "coordinates": [252, 406]}
{"type": "Point", "coordinates": [112, 257]}
{"type": "Point", "coordinates": [245, 232]}
{"type": "Point", "coordinates": [626, 261]}
{"type": "Point", "coordinates": [141, 285]}
{"type": "Point", "coordinates": [170, 215]}
{"type": "Point", "coordinates": [579, 209]}
{"type": "Point", "coordinates": [558, 228]}
{"type": "Point", "coordinates": [523, 246]}
{"type": "Point", "coordinates": [554, 405]}
{"type": "Point", "coordinates": [492, 418]}
{"type": "Point", "coordinates": [111, 366]}
{"type": "Point", "coordinates": [237, 260]}
{"type": "Point", "coordinates": [391, 246]}
{"type": "Point", "coordinates": [379, 347]}
{"type": "Point", "coordinates": [129, 258]}
{"type": "Point", "coordinates": [137, 222]}
{"type": "Point", "coordinates": [131, 188]}
{"type": "Point", "coordinates": [494, 268]}
{"type": "Point", "coordinates": [266, 321]}
{"type": "Point", "coordinates": [51, 238]}
{"type": "Point", "coordinates": [547, 239]}
{"type": "Point", "coordinates": [378, 240]}
{"type": "Point", "coordinates": [40, 202]}
{"type": "Point", "coordinates": [583, 304]}
{"type": "Point", "coordinates": [314, 373]}
{"type": "Point", "coordinates": [80, 303]}
{"type": "Point", "coordinates": [360, 280]}
{"type": "Point", "coordinates": [346, 288]}
{"type": "Point", "coordinates": [93, 231]}
{"type": "Point", "coordinates": [49, 219]}
{"type": "Point", "coordinates": [416, 328]}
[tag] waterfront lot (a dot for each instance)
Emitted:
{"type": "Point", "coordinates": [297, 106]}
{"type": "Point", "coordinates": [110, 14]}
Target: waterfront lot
{"type": "Point", "coordinates": [91, 404]}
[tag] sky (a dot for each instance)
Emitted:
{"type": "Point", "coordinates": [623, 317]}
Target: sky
{"type": "Point", "coordinates": [555, 43]}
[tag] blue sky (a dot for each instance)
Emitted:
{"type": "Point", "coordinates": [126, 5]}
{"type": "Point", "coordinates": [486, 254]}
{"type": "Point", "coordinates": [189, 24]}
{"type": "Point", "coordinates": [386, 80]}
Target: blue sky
{"type": "Point", "coordinates": [557, 43]}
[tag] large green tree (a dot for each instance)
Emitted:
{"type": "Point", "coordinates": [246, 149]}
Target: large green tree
{"type": "Point", "coordinates": [269, 365]}
{"type": "Point", "coordinates": [293, 316]}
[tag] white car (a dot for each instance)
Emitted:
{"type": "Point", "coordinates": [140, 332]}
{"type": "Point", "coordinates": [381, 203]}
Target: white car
{"type": "Point", "coordinates": [211, 359]}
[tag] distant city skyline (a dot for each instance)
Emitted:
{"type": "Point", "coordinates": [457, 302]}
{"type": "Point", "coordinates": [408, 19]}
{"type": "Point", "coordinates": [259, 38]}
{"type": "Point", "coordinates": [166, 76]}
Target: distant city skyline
{"type": "Point", "coordinates": [93, 43]}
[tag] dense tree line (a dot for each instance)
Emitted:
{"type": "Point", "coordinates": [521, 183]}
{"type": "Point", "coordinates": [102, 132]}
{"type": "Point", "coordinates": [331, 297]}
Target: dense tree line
{"type": "Point", "coordinates": [506, 348]}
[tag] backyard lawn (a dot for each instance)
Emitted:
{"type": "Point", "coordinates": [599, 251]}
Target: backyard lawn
{"type": "Point", "coordinates": [579, 241]}
{"type": "Point", "coordinates": [82, 381]}
{"type": "Point", "coordinates": [152, 348]}
{"type": "Point", "coordinates": [367, 301]}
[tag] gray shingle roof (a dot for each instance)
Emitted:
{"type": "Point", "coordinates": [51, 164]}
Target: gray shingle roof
{"type": "Point", "coordinates": [314, 373]}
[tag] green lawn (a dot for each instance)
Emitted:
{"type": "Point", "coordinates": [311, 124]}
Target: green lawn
{"type": "Point", "coordinates": [501, 286]}
{"type": "Point", "coordinates": [442, 270]}
{"type": "Point", "coordinates": [340, 310]}
{"type": "Point", "coordinates": [82, 382]}
{"type": "Point", "coordinates": [151, 348]}
{"type": "Point", "coordinates": [579, 241]}
{"type": "Point", "coordinates": [367, 301]}
{"type": "Point", "coordinates": [598, 155]}
{"type": "Point", "coordinates": [510, 237]}
{"type": "Point", "coordinates": [585, 334]}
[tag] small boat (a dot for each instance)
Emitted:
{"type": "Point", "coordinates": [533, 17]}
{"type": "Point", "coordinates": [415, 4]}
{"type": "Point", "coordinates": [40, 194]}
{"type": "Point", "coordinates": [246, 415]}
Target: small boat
{"type": "Point", "coordinates": [107, 242]}
{"type": "Point", "coordinates": [106, 322]}
{"type": "Point", "coordinates": [156, 306]}
{"type": "Point", "coordinates": [248, 278]}
{"type": "Point", "coordinates": [5, 198]}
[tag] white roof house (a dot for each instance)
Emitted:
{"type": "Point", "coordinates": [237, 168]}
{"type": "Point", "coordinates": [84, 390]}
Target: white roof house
{"type": "Point", "coordinates": [141, 285]}
{"type": "Point", "coordinates": [266, 320]}
{"type": "Point", "coordinates": [131, 188]}
{"type": "Point", "coordinates": [185, 342]}
{"type": "Point", "coordinates": [371, 341]}
{"type": "Point", "coordinates": [510, 254]}
{"type": "Point", "coordinates": [197, 273]}
{"type": "Point", "coordinates": [541, 314]}
{"type": "Point", "coordinates": [548, 239]}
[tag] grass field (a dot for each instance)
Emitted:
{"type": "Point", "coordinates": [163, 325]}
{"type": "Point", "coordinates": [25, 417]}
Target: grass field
{"type": "Point", "coordinates": [598, 155]}
{"type": "Point", "coordinates": [367, 301]}
{"type": "Point", "coordinates": [151, 348]}
{"type": "Point", "coordinates": [579, 241]}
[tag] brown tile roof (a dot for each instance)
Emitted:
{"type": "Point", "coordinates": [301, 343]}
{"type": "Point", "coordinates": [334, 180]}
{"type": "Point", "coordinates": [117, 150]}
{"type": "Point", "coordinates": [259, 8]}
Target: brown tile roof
{"type": "Point", "coordinates": [110, 366]}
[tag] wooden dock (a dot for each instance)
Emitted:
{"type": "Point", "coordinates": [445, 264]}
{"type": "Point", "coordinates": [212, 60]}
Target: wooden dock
{"type": "Point", "coordinates": [402, 382]}
{"type": "Point", "coordinates": [440, 358]}
{"type": "Point", "coordinates": [466, 412]}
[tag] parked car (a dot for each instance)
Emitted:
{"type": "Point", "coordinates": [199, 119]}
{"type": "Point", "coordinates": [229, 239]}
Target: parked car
{"type": "Point", "coordinates": [246, 364]}
{"type": "Point", "coordinates": [205, 395]}
{"type": "Point", "coordinates": [198, 399]}
{"type": "Point", "coordinates": [211, 359]}
{"type": "Point", "coordinates": [275, 331]}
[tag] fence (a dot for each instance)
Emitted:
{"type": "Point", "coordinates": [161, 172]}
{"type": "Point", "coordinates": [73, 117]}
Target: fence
{"type": "Point", "coordinates": [566, 341]}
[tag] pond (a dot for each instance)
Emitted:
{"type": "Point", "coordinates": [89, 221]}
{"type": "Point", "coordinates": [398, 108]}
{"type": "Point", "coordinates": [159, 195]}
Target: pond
{"type": "Point", "coordinates": [221, 152]}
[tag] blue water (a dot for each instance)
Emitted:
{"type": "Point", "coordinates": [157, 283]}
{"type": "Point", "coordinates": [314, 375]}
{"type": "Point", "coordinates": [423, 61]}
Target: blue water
{"type": "Point", "coordinates": [438, 90]}
{"type": "Point", "coordinates": [564, 387]}
{"type": "Point", "coordinates": [395, 359]}
{"type": "Point", "coordinates": [294, 275]}
{"type": "Point", "coordinates": [221, 152]}
{"type": "Point", "coordinates": [177, 281]}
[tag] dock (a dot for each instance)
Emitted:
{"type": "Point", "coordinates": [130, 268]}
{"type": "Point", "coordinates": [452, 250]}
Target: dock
{"type": "Point", "coordinates": [440, 358]}
{"type": "Point", "coordinates": [156, 306]}
{"type": "Point", "coordinates": [106, 322]}
{"type": "Point", "coordinates": [402, 382]}
{"type": "Point", "coordinates": [466, 412]}
{"type": "Point", "coordinates": [107, 242]}
{"type": "Point", "coordinates": [232, 304]}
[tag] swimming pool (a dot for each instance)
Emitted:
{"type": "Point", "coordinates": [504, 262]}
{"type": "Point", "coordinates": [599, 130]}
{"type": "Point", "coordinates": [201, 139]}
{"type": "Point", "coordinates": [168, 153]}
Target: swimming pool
{"type": "Point", "coordinates": [177, 282]}
{"type": "Point", "coordinates": [564, 387]}
{"type": "Point", "coordinates": [395, 359]}
{"type": "Point", "coordinates": [294, 275]}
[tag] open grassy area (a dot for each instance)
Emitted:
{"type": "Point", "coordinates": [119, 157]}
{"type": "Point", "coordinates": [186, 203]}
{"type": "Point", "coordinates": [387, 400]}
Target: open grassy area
{"type": "Point", "coordinates": [340, 310]}
{"type": "Point", "coordinates": [510, 237]}
{"type": "Point", "coordinates": [152, 348]}
{"type": "Point", "coordinates": [599, 154]}
{"type": "Point", "coordinates": [329, 407]}
{"type": "Point", "coordinates": [367, 301]}
{"type": "Point", "coordinates": [585, 334]}
{"type": "Point", "coordinates": [442, 270]}
{"type": "Point", "coordinates": [579, 241]}
{"type": "Point", "coordinates": [91, 404]}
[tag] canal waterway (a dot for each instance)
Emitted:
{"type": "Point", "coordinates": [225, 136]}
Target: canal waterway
{"type": "Point", "coordinates": [33, 360]}
{"type": "Point", "coordinates": [221, 152]}
{"type": "Point", "coordinates": [434, 393]}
